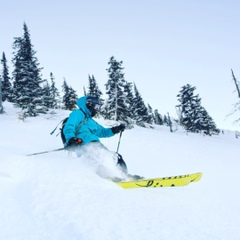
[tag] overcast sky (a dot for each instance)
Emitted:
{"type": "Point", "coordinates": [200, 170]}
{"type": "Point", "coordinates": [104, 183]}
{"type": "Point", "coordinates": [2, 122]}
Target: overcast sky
{"type": "Point", "coordinates": [164, 44]}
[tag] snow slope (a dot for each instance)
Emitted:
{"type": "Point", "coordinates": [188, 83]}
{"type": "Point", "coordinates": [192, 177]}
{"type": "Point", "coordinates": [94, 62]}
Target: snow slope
{"type": "Point", "coordinates": [57, 196]}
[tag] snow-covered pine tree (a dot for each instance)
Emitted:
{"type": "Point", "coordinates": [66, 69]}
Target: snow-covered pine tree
{"type": "Point", "coordinates": [69, 97]}
{"type": "Point", "coordinates": [208, 126]}
{"type": "Point", "coordinates": [1, 106]}
{"type": "Point", "coordinates": [115, 107]}
{"type": "Point", "coordinates": [93, 88]}
{"type": "Point", "coordinates": [192, 116]}
{"type": "Point", "coordinates": [158, 119]}
{"type": "Point", "coordinates": [47, 98]}
{"type": "Point", "coordinates": [187, 107]}
{"type": "Point", "coordinates": [150, 112]}
{"type": "Point", "coordinates": [65, 89]}
{"type": "Point", "coordinates": [6, 84]}
{"type": "Point", "coordinates": [128, 90]}
{"type": "Point", "coordinates": [165, 120]}
{"type": "Point", "coordinates": [72, 98]}
{"type": "Point", "coordinates": [169, 122]}
{"type": "Point", "coordinates": [54, 93]}
{"type": "Point", "coordinates": [27, 92]}
{"type": "Point", "coordinates": [141, 114]}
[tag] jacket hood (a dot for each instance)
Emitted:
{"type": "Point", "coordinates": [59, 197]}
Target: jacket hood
{"type": "Point", "coordinates": [81, 103]}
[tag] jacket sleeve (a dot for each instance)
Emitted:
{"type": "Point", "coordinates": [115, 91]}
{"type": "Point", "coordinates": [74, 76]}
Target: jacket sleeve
{"type": "Point", "coordinates": [72, 124]}
{"type": "Point", "coordinates": [103, 132]}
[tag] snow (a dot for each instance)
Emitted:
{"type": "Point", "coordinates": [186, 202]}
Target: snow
{"type": "Point", "coordinates": [58, 196]}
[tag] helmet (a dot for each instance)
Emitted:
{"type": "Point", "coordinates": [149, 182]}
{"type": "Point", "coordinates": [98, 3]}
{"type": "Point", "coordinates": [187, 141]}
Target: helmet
{"type": "Point", "coordinates": [93, 104]}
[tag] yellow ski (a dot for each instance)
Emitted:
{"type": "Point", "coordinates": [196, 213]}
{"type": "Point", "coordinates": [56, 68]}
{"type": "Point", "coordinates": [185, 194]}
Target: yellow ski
{"type": "Point", "coordinates": [173, 181]}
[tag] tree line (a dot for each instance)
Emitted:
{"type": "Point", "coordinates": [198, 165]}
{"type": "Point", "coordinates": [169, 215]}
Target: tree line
{"type": "Point", "coordinates": [27, 90]}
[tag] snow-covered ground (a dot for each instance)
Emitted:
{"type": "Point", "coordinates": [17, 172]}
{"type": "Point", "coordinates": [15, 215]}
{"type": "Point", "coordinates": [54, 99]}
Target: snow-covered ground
{"type": "Point", "coordinates": [57, 196]}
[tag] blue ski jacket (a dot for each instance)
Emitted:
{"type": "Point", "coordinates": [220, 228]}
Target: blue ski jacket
{"type": "Point", "coordinates": [89, 129]}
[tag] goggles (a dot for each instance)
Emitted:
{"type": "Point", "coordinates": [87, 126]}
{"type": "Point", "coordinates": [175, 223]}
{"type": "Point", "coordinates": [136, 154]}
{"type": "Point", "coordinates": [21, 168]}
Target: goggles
{"type": "Point", "coordinates": [96, 106]}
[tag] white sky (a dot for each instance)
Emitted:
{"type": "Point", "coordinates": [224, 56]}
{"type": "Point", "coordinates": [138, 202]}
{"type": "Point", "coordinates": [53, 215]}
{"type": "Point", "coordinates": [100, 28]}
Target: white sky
{"type": "Point", "coordinates": [163, 45]}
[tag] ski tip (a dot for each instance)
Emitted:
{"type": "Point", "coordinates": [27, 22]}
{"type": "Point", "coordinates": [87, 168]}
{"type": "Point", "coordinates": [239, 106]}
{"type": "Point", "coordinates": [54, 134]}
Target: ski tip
{"type": "Point", "coordinates": [195, 177]}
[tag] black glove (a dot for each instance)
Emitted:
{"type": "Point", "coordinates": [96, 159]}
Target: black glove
{"type": "Point", "coordinates": [118, 129]}
{"type": "Point", "coordinates": [74, 142]}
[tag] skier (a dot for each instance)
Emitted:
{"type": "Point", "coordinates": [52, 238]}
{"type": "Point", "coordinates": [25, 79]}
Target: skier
{"type": "Point", "coordinates": [82, 133]}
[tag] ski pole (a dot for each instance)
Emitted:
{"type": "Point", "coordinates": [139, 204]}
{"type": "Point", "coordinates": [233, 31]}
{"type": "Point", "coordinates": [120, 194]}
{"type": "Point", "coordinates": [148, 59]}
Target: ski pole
{"type": "Point", "coordinates": [119, 141]}
{"type": "Point", "coordinates": [55, 150]}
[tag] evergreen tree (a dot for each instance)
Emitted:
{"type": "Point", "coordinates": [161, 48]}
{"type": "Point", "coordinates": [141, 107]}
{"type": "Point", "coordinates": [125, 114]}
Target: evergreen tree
{"type": "Point", "coordinates": [189, 107]}
{"type": "Point", "coordinates": [169, 122]}
{"type": "Point", "coordinates": [69, 97]}
{"type": "Point", "coordinates": [72, 98]}
{"type": "Point", "coordinates": [165, 120]}
{"type": "Point", "coordinates": [54, 93]}
{"type": "Point", "coordinates": [150, 113]}
{"type": "Point", "coordinates": [6, 84]}
{"type": "Point", "coordinates": [128, 90]}
{"type": "Point", "coordinates": [192, 116]}
{"type": "Point", "coordinates": [115, 106]}
{"type": "Point", "coordinates": [93, 88]}
{"type": "Point", "coordinates": [65, 89]}
{"type": "Point", "coordinates": [158, 118]}
{"type": "Point", "coordinates": [1, 107]}
{"type": "Point", "coordinates": [47, 98]}
{"type": "Point", "coordinates": [27, 92]}
{"type": "Point", "coordinates": [208, 126]}
{"type": "Point", "coordinates": [141, 114]}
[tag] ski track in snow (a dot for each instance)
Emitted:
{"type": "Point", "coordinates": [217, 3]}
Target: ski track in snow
{"type": "Point", "coordinates": [58, 196]}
